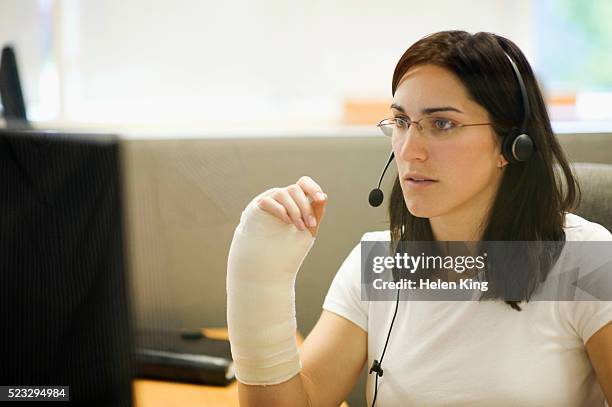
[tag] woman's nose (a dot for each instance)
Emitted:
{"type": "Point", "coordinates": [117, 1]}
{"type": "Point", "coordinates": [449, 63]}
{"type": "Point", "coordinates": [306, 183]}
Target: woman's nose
{"type": "Point", "coordinates": [412, 146]}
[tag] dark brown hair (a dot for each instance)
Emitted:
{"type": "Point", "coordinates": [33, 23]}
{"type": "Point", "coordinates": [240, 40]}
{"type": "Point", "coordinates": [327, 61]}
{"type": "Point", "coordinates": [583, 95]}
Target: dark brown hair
{"type": "Point", "coordinates": [533, 195]}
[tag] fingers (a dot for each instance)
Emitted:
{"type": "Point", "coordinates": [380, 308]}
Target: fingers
{"type": "Point", "coordinates": [311, 189]}
{"type": "Point", "coordinates": [273, 207]}
{"type": "Point", "coordinates": [317, 198]}
{"type": "Point", "coordinates": [285, 198]}
{"type": "Point", "coordinates": [306, 210]}
{"type": "Point", "coordinates": [280, 204]}
{"type": "Point", "coordinates": [302, 204]}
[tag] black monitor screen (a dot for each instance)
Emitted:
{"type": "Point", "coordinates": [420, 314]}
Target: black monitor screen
{"type": "Point", "coordinates": [64, 310]}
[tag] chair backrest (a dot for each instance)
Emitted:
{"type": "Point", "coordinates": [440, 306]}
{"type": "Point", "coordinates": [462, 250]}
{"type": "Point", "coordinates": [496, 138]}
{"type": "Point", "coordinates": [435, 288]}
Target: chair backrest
{"type": "Point", "coordinates": [596, 187]}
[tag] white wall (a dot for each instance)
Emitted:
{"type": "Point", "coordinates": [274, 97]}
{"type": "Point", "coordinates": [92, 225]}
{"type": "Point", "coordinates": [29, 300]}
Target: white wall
{"type": "Point", "coordinates": [205, 63]}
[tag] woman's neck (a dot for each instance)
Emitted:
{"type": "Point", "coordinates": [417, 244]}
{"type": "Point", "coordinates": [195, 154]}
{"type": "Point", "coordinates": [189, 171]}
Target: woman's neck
{"type": "Point", "coordinates": [456, 227]}
{"type": "Point", "coordinates": [465, 222]}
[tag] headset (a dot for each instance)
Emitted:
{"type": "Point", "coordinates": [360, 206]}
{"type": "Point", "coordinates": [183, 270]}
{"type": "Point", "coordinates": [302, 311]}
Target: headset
{"type": "Point", "coordinates": [517, 146]}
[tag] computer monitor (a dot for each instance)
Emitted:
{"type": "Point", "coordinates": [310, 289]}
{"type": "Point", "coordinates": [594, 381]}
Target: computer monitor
{"type": "Point", "coordinates": [11, 94]}
{"type": "Point", "coordinates": [64, 307]}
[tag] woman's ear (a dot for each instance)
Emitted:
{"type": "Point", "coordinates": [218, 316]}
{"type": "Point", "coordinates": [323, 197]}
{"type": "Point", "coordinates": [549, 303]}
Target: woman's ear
{"type": "Point", "coordinates": [502, 162]}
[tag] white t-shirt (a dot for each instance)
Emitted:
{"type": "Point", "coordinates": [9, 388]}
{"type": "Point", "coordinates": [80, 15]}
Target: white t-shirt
{"type": "Point", "coordinates": [450, 353]}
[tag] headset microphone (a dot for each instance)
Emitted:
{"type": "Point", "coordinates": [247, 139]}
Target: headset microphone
{"type": "Point", "coordinates": [376, 195]}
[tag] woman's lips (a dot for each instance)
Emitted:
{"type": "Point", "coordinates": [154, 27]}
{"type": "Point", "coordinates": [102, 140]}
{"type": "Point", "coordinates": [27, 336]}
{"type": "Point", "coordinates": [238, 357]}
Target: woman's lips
{"type": "Point", "coordinates": [419, 184]}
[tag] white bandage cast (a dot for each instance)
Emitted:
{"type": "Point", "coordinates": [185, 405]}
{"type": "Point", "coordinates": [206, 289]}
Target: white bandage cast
{"type": "Point", "coordinates": [264, 258]}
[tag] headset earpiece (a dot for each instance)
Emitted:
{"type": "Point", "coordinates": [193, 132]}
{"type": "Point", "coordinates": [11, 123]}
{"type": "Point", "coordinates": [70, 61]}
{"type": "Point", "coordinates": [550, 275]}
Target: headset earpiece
{"type": "Point", "coordinates": [517, 146]}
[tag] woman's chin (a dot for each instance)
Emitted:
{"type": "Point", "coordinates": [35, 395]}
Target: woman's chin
{"type": "Point", "coordinates": [419, 209]}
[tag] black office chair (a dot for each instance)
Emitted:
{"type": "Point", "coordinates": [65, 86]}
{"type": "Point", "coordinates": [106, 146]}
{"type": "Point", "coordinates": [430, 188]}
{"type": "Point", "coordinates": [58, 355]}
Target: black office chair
{"type": "Point", "coordinates": [596, 186]}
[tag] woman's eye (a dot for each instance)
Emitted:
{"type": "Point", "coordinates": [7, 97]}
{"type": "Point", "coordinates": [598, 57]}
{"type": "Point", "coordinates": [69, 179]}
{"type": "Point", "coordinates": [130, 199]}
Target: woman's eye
{"type": "Point", "coordinates": [401, 122]}
{"type": "Point", "coordinates": [443, 124]}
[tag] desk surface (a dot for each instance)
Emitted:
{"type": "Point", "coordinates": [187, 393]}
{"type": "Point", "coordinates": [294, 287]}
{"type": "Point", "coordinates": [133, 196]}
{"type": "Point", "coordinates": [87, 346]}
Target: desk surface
{"type": "Point", "coordinates": [155, 393]}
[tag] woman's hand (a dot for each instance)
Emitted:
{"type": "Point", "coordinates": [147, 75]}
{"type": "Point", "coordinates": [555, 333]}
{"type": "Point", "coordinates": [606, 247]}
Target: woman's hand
{"type": "Point", "coordinates": [264, 259]}
{"type": "Point", "coordinates": [302, 204]}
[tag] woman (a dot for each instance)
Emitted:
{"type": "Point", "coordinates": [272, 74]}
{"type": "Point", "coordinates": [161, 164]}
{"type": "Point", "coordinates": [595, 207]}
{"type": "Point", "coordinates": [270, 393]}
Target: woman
{"type": "Point", "coordinates": [455, 99]}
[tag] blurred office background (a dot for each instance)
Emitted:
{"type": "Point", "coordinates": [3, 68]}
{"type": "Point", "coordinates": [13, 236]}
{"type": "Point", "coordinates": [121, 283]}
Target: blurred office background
{"type": "Point", "coordinates": [193, 65]}
{"type": "Point", "coordinates": [218, 101]}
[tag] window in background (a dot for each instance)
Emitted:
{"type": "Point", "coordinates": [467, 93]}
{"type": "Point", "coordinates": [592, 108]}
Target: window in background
{"type": "Point", "coordinates": [150, 62]}
{"type": "Point", "coordinates": [206, 64]}
{"type": "Point", "coordinates": [27, 25]}
{"type": "Point", "coordinates": [573, 42]}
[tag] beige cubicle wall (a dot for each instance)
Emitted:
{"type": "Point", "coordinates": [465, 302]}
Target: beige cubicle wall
{"type": "Point", "coordinates": [185, 197]}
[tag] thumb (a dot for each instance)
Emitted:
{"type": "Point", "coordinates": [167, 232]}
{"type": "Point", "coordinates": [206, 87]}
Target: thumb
{"type": "Point", "coordinates": [319, 211]}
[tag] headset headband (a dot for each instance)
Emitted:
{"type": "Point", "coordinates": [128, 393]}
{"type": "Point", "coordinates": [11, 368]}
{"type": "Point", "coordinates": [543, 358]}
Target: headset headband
{"type": "Point", "coordinates": [519, 79]}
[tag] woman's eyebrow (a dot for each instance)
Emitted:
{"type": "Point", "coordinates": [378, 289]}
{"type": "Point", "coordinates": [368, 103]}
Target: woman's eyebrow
{"type": "Point", "coordinates": [429, 110]}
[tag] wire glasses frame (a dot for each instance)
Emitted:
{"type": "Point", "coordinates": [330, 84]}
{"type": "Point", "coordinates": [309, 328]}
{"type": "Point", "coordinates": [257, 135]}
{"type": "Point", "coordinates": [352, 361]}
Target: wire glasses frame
{"type": "Point", "coordinates": [387, 126]}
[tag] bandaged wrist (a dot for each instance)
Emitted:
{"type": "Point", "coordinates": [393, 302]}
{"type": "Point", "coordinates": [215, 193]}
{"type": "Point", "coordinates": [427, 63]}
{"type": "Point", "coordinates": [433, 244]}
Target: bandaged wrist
{"type": "Point", "coordinates": [264, 258]}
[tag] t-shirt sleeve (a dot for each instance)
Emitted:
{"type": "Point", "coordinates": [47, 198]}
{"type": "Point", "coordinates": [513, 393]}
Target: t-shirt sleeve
{"type": "Point", "coordinates": [588, 317]}
{"type": "Point", "coordinates": [344, 295]}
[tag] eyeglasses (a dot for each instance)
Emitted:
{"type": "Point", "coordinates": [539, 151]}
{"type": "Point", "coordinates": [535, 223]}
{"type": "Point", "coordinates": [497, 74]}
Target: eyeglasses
{"type": "Point", "coordinates": [435, 126]}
